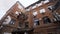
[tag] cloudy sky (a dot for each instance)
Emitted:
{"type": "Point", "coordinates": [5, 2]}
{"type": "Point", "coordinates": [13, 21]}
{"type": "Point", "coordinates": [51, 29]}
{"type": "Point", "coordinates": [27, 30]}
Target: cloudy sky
{"type": "Point", "coordinates": [6, 4]}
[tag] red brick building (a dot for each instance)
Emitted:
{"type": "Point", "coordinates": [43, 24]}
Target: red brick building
{"type": "Point", "coordinates": [41, 17]}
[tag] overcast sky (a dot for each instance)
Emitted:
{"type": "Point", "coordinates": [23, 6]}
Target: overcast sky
{"type": "Point", "coordinates": [6, 4]}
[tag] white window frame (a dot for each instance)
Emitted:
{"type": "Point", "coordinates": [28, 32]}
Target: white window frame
{"type": "Point", "coordinates": [42, 11]}
{"type": "Point", "coordinates": [17, 13]}
{"type": "Point", "coordinates": [35, 13]}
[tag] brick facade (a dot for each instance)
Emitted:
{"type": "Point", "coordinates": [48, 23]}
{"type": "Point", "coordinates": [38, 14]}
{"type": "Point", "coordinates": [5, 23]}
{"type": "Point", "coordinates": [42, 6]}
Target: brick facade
{"type": "Point", "coordinates": [32, 21]}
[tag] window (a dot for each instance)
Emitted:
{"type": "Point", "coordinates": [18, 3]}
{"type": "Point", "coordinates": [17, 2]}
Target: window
{"type": "Point", "coordinates": [36, 22]}
{"type": "Point", "coordinates": [33, 7]}
{"type": "Point", "coordinates": [7, 20]}
{"type": "Point", "coordinates": [12, 22]}
{"type": "Point", "coordinates": [42, 11]}
{"type": "Point", "coordinates": [56, 5]}
{"type": "Point", "coordinates": [26, 25]}
{"type": "Point", "coordinates": [16, 13]}
{"type": "Point", "coordinates": [35, 13]}
{"type": "Point", "coordinates": [39, 4]}
{"type": "Point", "coordinates": [27, 9]}
{"type": "Point", "coordinates": [46, 20]}
{"type": "Point", "coordinates": [21, 16]}
{"type": "Point", "coordinates": [20, 24]}
{"type": "Point", "coordinates": [50, 7]}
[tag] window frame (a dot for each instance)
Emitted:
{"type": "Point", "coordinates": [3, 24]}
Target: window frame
{"type": "Point", "coordinates": [37, 22]}
{"type": "Point", "coordinates": [13, 20]}
{"type": "Point", "coordinates": [35, 13]}
{"type": "Point", "coordinates": [46, 20]}
{"type": "Point", "coordinates": [42, 10]}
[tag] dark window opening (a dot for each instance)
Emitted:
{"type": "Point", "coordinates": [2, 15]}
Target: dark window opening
{"type": "Point", "coordinates": [36, 22]}
{"type": "Point", "coordinates": [34, 16]}
{"type": "Point", "coordinates": [26, 25]}
{"type": "Point", "coordinates": [46, 20]}
{"type": "Point", "coordinates": [20, 24]}
{"type": "Point", "coordinates": [50, 7]}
